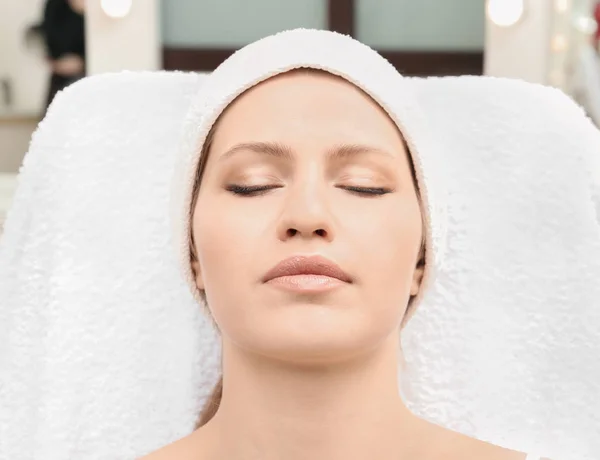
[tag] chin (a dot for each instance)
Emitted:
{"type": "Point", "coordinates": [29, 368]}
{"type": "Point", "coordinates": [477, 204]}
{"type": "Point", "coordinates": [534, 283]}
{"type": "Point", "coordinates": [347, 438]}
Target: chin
{"type": "Point", "coordinates": [309, 335]}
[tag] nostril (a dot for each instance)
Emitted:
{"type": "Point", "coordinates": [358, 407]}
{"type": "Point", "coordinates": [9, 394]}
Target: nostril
{"type": "Point", "coordinates": [291, 232]}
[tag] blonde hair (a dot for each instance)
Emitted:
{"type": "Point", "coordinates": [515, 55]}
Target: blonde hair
{"type": "Point", "coordinates": [214, 400]}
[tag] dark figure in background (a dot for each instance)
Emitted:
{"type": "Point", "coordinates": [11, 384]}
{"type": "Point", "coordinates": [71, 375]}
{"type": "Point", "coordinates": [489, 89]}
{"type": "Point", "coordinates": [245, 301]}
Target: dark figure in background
{"type": "Point", "coordinates": [63, 33]}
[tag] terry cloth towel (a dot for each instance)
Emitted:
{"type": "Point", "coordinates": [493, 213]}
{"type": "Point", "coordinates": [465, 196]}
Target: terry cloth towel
{"type": "Point", "coordinates": [105, 354]}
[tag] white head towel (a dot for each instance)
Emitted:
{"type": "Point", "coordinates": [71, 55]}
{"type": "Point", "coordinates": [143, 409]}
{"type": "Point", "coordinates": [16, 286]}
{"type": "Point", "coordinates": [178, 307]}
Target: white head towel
{"type": "Point", "coordinates": [104, 354]}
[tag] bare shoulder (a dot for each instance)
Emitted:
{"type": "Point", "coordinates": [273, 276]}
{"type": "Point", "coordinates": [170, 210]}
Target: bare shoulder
{"type": "Point", "coordinates": [187, 448]}
{"type": "Point", "coordinates": [459, 446]}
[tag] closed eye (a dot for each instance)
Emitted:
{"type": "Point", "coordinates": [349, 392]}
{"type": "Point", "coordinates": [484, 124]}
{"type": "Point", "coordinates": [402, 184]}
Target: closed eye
{"type": "Point", "coordinates": [250, 190]}
{"type": "Point", "coordinates": [257, 190]}
{"type": "Point", "coordinates": [366, 191]}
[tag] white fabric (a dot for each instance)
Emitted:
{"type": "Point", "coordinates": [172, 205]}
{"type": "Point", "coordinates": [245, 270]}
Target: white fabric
{"type": "Point", "coordinates": [104, 354]}
{"type": "Point", "coordinates": [505, 346]}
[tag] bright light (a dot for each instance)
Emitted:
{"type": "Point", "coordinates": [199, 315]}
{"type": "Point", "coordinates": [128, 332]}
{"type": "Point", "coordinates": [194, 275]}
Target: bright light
{"type": "Point", "coordinates": [559, 43]}
{"type": "Point", "coordinates": [116, 8]}
{"type": "Point", "coordinates": [505, 13]}
{"type": "Point", "coordinates": [586, 25]}
{"type": "Point", "coordinates": [561, 6]}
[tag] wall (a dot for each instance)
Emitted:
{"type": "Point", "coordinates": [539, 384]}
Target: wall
{"type": "Point", "coordinates": [234, 23]}
{"type": "Point", "coordinates": [25, 69]}
{"type": "Point", "coordinates": [8, 183]}
{"type": "Point", "coordinates": [521, 51]}
{"type": "Point", "coordinates": [15, 134]}
{"type": "Point", "coordinates": [129, 43]}
{"type": "Point", "coordinates": [423, 25]}
{"type": "Point", "coordinates": [24, 66]}
{"type": "Point", "coordinates": [454, 25]}
{"type": "Point", "coordinates": [530, 49]}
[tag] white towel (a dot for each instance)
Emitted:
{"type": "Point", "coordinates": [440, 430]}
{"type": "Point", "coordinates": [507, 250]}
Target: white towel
{"type": "Point", "coordinates": [505, 347]}
{"type": "Point", "coordinates": [104, 353]}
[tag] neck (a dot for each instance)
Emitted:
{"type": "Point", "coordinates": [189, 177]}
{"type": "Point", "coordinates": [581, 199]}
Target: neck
{"type": "Point", "coordinates": [350, 410]}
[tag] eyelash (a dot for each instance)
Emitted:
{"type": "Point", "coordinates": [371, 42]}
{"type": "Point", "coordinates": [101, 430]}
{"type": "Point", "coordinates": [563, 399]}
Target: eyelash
{"type": "Point", "coordinates": [245, 190]}
{"type": "Point", "coordinates": [249, 191]}
{"type": "Point", "coordinates": [367, 191]}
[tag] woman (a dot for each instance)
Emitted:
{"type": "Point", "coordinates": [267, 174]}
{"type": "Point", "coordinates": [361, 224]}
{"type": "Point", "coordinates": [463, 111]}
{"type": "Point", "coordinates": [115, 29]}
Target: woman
{"type": "Point", "coordinates": [312, 187]}
{"type": "Point", "coordinates": [104, 353]}
{"type": "Point", "coordinates": [63, 33]}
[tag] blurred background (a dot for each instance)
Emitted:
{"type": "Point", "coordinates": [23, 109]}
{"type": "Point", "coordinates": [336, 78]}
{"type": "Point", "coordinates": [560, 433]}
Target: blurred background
{"type": "Point", "coordinates": [45, 45]}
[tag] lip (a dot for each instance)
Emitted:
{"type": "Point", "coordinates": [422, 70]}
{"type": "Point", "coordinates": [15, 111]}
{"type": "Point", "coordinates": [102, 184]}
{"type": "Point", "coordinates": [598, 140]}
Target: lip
{"type": "Point", "coordinates": [307, 274]}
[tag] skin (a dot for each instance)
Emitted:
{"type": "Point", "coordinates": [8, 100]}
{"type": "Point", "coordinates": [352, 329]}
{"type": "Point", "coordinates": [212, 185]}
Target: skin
{"type": "Point", "coordinates": [77, 5]}
{"type": "Point", "coordinates": [70, 65]}
{"type": "Point", "coordinates": [312, 376]}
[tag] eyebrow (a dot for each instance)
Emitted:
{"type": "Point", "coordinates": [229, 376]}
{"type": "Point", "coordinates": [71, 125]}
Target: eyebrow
{"type": "Point", "coordinates": [274, 149]}
{"type": "Point", "coordinates": [268, 148]}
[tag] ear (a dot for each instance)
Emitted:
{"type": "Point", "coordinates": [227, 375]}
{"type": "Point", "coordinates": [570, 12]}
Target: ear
{"type": "Point", "coordinates": [418, 275]}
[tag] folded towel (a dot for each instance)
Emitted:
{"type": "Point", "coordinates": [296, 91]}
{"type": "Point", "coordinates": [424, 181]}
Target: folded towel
{"type": "Point", "coordinates": [505, 346]}
{"type": "Point", "coordinates": [104, 353]}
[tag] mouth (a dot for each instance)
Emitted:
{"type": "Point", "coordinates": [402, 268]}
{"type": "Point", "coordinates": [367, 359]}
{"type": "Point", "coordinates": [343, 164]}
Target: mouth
{"type": "Point", "coordinates": [308, 274]}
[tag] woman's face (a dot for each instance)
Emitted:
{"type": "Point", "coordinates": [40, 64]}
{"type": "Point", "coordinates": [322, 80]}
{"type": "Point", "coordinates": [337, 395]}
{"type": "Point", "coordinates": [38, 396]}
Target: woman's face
{"type": "Point", "coordinates": [306, 169]}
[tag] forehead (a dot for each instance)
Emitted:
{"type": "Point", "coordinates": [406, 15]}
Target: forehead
{"type": "Point", "coordinates": [305, 102]}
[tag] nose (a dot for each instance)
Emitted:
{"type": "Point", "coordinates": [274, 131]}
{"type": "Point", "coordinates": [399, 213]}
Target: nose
{"type": "Point", "coordinates": [306, 215]}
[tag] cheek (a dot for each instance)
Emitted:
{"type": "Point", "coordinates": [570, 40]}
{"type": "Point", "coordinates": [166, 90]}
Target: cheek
{"type": "Point", "coordinates": [391, 241]}
{"type": "Point", "coordinates": [226, 244]}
